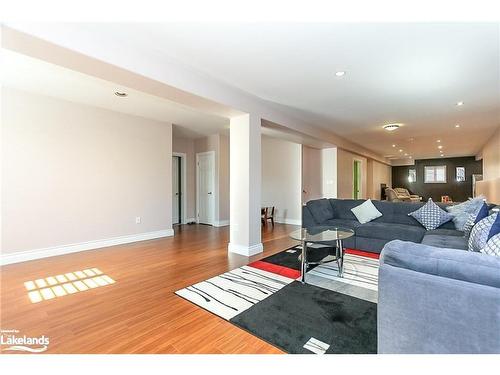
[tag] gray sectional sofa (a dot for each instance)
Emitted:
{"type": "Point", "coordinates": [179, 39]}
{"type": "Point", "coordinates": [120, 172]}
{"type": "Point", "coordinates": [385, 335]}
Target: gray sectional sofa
{"type": "Point", "coordinates": [394, 224]}
{"type": "Point", "coordinates": [437, 301]}
{"type": "Point", "coordinates": [433, 296]}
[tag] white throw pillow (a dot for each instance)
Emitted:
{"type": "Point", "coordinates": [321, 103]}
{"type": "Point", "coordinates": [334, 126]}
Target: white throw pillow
{"type": "Point", "coordinates": [366, 212]}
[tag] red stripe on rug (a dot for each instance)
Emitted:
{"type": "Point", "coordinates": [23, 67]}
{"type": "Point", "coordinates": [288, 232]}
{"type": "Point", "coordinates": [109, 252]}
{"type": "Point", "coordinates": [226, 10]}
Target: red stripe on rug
{"type": "Point", "coordinates": [362, 253]}
{"type": "Point", "coordinates": [274, 268]}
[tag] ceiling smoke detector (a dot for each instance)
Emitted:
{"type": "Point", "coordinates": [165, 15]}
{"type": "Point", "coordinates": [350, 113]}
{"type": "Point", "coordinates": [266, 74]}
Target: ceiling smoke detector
{"type": "Point", "coordinates": [391, 127]}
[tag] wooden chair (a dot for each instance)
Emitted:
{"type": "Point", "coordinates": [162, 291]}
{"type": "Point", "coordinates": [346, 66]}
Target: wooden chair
{"type": "Point", "coordinates": [267, 213]}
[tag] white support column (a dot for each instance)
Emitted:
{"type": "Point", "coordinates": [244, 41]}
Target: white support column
{"type": "Point", "coordinates": [245, 185]}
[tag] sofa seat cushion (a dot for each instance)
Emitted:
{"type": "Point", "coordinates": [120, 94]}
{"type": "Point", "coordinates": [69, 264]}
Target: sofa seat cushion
{"type": "Point", "coordinates": [391, 232]}
{"type": "Point", "coordinates": [447, 242]}
{"type": "Point", "coordinates": [351, 224]}
{"type": "Point", "coordinates": [444, 232]}
{"type": "Point", "coordinates": [321, 210]}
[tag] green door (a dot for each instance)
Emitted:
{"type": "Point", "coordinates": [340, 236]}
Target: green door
{"type": "Point", "coordinates": [356, 179]}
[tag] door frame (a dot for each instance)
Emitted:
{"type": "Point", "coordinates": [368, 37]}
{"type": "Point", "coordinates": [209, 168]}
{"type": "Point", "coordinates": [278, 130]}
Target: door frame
{"type": "Point", "coordinates": [214, 192]}
{"type": "Point", "coordinates": [360, 179]}
{"type": "Point", "coordinates": [183, 157]}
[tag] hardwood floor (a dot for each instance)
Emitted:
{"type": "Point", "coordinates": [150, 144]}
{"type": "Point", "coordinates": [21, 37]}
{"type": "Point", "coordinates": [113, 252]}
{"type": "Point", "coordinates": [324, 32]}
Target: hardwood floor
{"type": "Point", "coordinates": [139, 313]}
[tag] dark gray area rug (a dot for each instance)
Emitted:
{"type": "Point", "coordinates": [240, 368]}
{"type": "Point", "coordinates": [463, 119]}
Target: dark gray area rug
{"type": "Point", "coordinates": [302, 318]}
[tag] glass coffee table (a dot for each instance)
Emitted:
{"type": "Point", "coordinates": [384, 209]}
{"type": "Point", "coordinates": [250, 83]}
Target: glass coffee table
{"type": "Point", "coordinates": [324, 235]}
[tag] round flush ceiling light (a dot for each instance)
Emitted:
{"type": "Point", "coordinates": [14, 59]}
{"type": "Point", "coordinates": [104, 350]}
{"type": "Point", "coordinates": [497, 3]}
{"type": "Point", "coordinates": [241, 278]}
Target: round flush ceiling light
{"type": "Point", "coordinates": [457, 125]}
{"type": "Point", "coordinates": [459, 104]}
{"type": "Point", "coordinates": [391, 127]}
{"type": "Point", "coordinates": [120, 94]}
{"type": "Point", "coordinates": [340, 73]}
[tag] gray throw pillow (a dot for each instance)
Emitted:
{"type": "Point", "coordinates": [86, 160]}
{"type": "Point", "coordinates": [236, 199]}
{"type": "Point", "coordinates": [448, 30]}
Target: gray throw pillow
{"type": "Point", "coordinates": [430, 215]}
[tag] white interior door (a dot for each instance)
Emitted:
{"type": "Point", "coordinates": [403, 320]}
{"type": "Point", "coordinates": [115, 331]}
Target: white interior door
{"type": "Point", "coordinates": [205, 186]}
{"type": "Point", "coordinates": [175, 190]}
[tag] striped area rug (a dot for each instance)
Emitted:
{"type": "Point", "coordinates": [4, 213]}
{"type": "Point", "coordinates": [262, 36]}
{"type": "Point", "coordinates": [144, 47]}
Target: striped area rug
{"type": "Point", "coordinates": [233, 292]}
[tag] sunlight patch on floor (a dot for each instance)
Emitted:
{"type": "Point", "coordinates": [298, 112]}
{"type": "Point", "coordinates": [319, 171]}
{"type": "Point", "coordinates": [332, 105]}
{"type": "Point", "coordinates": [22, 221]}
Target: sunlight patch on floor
{"type": "Point", "coordinates": [70, 283]}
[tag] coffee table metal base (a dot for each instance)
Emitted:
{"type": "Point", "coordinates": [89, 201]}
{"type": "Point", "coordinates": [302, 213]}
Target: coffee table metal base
{"type": "Point", "coordinates": [339, 258]}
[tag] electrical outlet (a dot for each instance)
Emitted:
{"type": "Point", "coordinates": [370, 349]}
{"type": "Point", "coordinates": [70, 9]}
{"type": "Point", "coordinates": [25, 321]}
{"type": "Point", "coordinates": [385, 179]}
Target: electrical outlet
{"type": "Point", "coordinates": [138, 220]}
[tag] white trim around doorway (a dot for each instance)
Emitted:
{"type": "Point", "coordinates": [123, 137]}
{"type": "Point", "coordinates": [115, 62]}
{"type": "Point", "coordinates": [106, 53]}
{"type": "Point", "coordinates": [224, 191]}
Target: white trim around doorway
{"type": "Point", "coordinates": [183, 157]}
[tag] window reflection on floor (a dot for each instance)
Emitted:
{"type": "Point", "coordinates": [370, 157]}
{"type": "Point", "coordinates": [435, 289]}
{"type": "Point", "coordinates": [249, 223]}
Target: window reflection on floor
{"type": "Point", "coordinates": [69, 283]}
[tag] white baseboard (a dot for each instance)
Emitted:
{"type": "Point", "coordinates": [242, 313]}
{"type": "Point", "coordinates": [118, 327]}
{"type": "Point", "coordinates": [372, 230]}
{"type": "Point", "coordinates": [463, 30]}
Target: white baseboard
{"type": "Point", "coordinates": [221, 223]}
{"type": "Point", "coordinates": [283, 220]}
{"type": "Point", "coordinates": [245, 250]}
{"type": "Point", "coordinates": [23, 256]}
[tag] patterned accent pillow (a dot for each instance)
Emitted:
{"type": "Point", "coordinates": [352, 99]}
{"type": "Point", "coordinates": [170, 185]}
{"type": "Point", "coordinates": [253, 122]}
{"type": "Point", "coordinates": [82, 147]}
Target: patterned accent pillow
{"type": "Point", "coordinates": [462, 211]}
{"type": "Point", "coordinates": [430, 215]}
{"type": "Point", "coordinates": [492, 246]}
{"type": "Point", "coordinates": [474, 218]}
{"type": "Point", "coordinates": [479, 234]}
{"type": "Point", "coordinates": [469, 224]}
{"type": "Point", "coordinates": [495, 228]}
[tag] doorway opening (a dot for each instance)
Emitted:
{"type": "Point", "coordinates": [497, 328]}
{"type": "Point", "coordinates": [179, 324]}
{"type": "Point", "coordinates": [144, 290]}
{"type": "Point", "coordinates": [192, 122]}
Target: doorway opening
{"type": "Point", "coordinates": [178, 188]}
{"type": "Point", "coordinates": [356, 179]}
{"type": "Point", "coordinates": [205, 187]}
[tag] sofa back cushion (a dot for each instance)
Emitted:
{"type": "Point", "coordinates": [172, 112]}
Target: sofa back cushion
{"type": "Point", "coordinates": [447, 263]}
{"type": "Point", "coordinates": [392, 212]}
{"type": "Point", "coordinates": [321, 210]}
{"type": "Point", "coordinates": [342, 208]}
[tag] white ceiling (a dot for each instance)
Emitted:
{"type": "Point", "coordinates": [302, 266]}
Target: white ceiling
{"type": "Point", "coordinates": [33, 75]}
{"type": "Point", "coordinates": [407, 73]}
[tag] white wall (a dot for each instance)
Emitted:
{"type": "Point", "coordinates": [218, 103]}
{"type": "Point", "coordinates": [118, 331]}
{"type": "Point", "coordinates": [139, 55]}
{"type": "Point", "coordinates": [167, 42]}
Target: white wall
{"type": "Point", "coordinates": [491, 157]}
{"type": "Point", "coordinates": [73, 174]}
{"type": "Point", "coordinates": [329, 172]}
{"type": "Point", "coordinates": [345, 161]}
{"type": "Point", "coordinates": [490, 186]}
{"type": "Point", "coordinates": [281, 179]}
{"type": "Point", "coordinates": [377, 173]}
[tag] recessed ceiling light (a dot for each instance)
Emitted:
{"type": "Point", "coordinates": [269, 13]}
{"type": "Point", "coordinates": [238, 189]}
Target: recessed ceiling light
{"type": "Point", "coordinates": [442, 155]}
{"type": "Point", "coordinates": [391, 127]}
{"type": "Point", "coordinates": [459, 104]}
{"type": "Point", "coordinates": [406, 154]}
{"type": "Point", "coordinates": [457, 125]}
{"type": "Point", "coordinates": [340, 73]}
{"type": "Point", "coordinates": [393, 145]}
{"type": "Point", "coordinates": [438, 141]}
{"type": "Point", "coordinates": [121, 94]}
{"type": "Point", "coordinates": [400, 150]}
{"type": "Point", "coordinates": [440, 147]}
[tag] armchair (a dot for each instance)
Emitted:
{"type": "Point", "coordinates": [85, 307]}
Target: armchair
{"type": "Point", "coordinates": [404, 195]}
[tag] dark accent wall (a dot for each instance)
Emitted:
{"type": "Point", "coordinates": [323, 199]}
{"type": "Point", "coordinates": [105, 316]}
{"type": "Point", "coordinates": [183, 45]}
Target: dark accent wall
{"type": "Point", "coordinates": [458, 191]}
